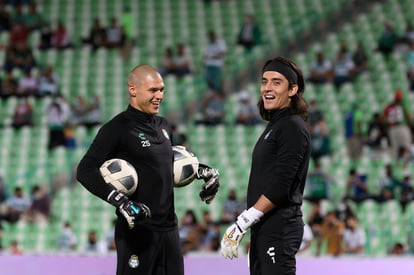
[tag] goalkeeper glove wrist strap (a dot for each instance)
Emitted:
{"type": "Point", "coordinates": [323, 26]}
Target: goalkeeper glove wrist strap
{"type": "Point", "coordinates": [248, 217]}
{"type": "Point", "coordinates": [116, 198]}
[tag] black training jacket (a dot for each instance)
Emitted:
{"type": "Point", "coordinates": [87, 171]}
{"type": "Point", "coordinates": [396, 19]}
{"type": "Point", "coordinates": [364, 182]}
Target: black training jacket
{"type": "Point", "coordinates": [145, 142]}
{"type": "Point", "coordinates": [280, 162]}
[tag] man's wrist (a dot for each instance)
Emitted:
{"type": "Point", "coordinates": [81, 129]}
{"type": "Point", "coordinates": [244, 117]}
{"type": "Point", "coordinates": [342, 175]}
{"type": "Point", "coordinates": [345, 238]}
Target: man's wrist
{"type": "Point", "coordinates": [249, 217]}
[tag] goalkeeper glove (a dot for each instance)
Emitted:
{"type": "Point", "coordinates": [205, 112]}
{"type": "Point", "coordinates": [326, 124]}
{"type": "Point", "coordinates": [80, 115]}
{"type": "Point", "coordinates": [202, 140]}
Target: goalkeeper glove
{"type": "Point", "coordinates": [131, 210]}
{"type": "Point", "coordinates": [211, 182]}
{"type": "Point", "coordinates": [235, 233]}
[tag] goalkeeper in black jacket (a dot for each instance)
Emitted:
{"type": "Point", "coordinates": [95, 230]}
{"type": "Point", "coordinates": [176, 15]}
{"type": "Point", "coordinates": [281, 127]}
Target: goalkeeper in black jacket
{"type": "Point", "coordinates": [277, 177]}
{"type": "Point", "coordinates": [146, 232]}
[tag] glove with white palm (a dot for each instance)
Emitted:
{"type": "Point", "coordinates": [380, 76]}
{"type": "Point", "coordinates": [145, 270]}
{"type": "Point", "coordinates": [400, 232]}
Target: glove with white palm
{"type": "Point", "coordinates": [211, 182]}
{"type": "Point", "coordinates": [132, 211]}
{"type": "Point", "coordinates": [235, 233]}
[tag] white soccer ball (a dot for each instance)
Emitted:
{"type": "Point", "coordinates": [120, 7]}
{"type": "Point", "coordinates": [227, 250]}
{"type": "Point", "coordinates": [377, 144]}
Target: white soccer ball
{"type": "Point", "coordinates": [120, 174]}
{"type": "Point", "coordinates": [185, 166]}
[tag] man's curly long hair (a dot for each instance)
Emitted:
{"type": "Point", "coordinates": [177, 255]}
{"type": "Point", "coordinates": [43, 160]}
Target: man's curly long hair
{"type": "Point", "coordinates": [298, 104]}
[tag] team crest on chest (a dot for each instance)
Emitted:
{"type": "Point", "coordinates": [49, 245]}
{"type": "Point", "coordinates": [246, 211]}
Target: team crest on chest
{"type": "Point", "coordinates": [133, 261]}
{"type": "Point", "coordinates": [165, 133]}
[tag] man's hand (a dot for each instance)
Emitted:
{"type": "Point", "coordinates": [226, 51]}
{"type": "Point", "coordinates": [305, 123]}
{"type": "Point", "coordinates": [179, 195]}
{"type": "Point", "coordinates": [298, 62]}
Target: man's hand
{"type": "Point", "coordinates": [132, 211]}
{"type": "Point", "coordinates": [235, 233]}
{"type": "Point", "coordinates": [211, 182]}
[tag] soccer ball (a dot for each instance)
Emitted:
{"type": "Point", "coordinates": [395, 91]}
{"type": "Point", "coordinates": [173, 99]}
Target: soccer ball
{"type": "Point", "coordinates": [185, 166]}
{"type": "Point", "coordinates": [120, 174]}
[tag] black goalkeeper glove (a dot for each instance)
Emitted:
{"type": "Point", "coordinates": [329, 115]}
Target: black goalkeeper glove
{"type": "Point", "coordinates": [132, 211]}
{"type": "Point", "coordinates": [211, 182]}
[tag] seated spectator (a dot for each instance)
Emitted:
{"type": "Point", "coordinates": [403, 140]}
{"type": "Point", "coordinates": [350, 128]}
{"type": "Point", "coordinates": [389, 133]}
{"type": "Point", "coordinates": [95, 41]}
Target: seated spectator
{"type": "Point", "coordinates": [40, 208]}
{"type": "Point", "coordinates": [167, 63]}
{"type": "Point", "coordinates": [78, 108]}
{"type": "Point", "coordinates": [15, 248]}
{"type": "Point", "coordinates": [3, 191]}
{"type": "Point", "coordinates": [387, 39]}
{"type": "Point", "coordinates": [115, 36]}
{"type": "Point", "coordinates": [97, 35]}
{"type": "Point", "coordinates": [60, 37]}
{"type": "Point", "coordinates": [58, 113]}
{"type": "Point", "coordinates": [93, 114]}
{"type": "Point", "coordinates": [17, 205]}
{"type": "Point", "coordinates": [320, 70]}
{"type": "Point", "coordinates": [247, 112]}
{"type": "Point", "coordinates": [212, 109]}
{"type": "Point", "coordinates": [354, 237]}
{"type": "Point", "coordinates": [398, 249]}
{"type": "Point", "coordinates": [353, 120]}
{"type": "Point", "coordinates": [67, 240]}
{"type": "Point", "coordinates": [110, 237]}
{"type": "Point", "coordinates": [27, 85]}
{"type": "Point", "coordinates": [320, 140]}
{"type": "Point", "coordinates": [343, 70]}
{"type": "Point", "coordinates": [249, 34]}
{"type": "Point", "coordinates": [48, 82]}
{"type": "Point", "coordinates": [18, 15]}
{"type": "Point", "coordinates": [23, 114]}
{"type": "Point", "coordinates": [360, 59]}
{"type": "Point", "coordinates": [189, 231]}
{"type": "Point", "coordinates": [315, 220]}
{"type": "Point", "coordinates": [410, 66]}
{"type": "Point", "coordinates": [46, 33]}
{"type": "Point", "coordinates": [178, 136]}
{"type": "Point", "coordinates": [356, 187]}
{"type": "Point", "coordinates": [344, 210]}
{"type": "Point", "coordinates": [315, 115]}
{"type": "Point", "coordinates": [18, 34]}
{"type": "Point", "coordinates": [388, 184]}
{"type": "Point", "coordinates": [406, 191]}
{"type": "Point", "coordinates": [408, 36]}
{"type": "Point", "coordinates": [318, 184]}
{"type": "Point", "coordinates": [377, 133]}
{"type": "Point", "coordinates": [210, 233]}
{"type": "Point", "coordinates": [182, 62]}
{"type": "Point", "coordinates": [214, 55]}
{"type": "Point", "coordinates": [33, 19]}
{"type": "Point", "coordinates": [19, 56]}
{"type": "Point", "coordinates": [232, 207]}
{"type": "Point", "coordinates": [332, 233]}
{"type": "Point", "coordinates": [8, 85]}
{"type": "Point", "coordinates": [93, 245]}
{"type": "Point", "coordinates": [5, 18]}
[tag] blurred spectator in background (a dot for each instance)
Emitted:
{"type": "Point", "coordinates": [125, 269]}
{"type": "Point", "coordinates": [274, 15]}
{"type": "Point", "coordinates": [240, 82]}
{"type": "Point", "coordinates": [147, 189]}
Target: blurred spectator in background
{"type": "Point", "coordinates": [97, 35]}
{"type": "Point", "coordinates": [344, 210]}
{"type": "Point", "coordinates": [115, 36]}
{"type": "Point", "coordinates": [48, 82]}
{"type": "Point", "coordinates": [128, 26]}
{"type": "Point", "coordinates": [45, 39]}
{"type": "Point", "coordinates": [23, 114]}
{"type": "Point", "coordinates": [332, 233]}
{"type": "Point", "coordinates": [178, 136]}
{"type": "Point", "coordinates": [318, 184]}
{"type": "Point", "coordinates": [110, 237]}
{"type": "Point", "coordinates": [93, 245]}
{"type": "Point", "coordinates": [60, 37]}
{"type": "Point", "coordinates": [18, 34]}
{"type": "Point", "coordinates": [40, 208]}
{"type": "Point", "coordinates": [214, 55]}
{"type": "Point", "coordinates": [406, 191]}
{"type": "Point", "coordinates": [356, 186]}
{"type": "Point", "coordinates": [1, 236]}
{"type": "Point", "coordinates": [353, 132]}
{"type": "Point", "coordinates": [5, 18]}
{"type": "Point", "coordinates": [307, 240]}
{"type": "Point", "coordinates": [376, 133]}
{"type": "Point", "coordinates": [189, 232]}
{"type": "Point", "coordinates": [398, 122]}
{"type": "Point", "coordinates": [212, 108]}
{"type": "Point", "coordinates": [343, 69]}
{"type": "Point", "coordinates": [182, 61]}
{"type": "Point", "coordinates": [33, 19]}
{"type": "Point", "coordinates": [321, 70]}
{"type": "Point", "coordinates": [27, 85]}
{"type": "Point", "coordinates": [360, 59]}
{"type": "Point", "coordinates": [408, 35]}
{"type": "Point", "coordinates": [247, 112]}
{"type": "Point", "coordinates": [16, 205]}
{"type": "Point", "coordinates": [15, 248]}
{"type": "Point", "coordinates": [410, 66]}
{"type": "Point", "coordinates": [354, 240]}
{"type": "Point", "coordinates": [67, 240]}
{"type": "Point", "coordinates": [78, 108]}
{"type": "Point", "coordinates": [398, 249]}
{"type": "Point", "coordinates": [3, 191]}
{"type": "Point", "coordinates": [93, 114]}
{"type": "Point", "coordinates": [18, 15]}
{"type": "Point", "coordinates": [9, 85]}
{"type": "Point", "coordinates": [315, 220]}
{"type": "Point", "coordinates": [232, 207]}
{"type": "Point", "coordinates": [58, 112]}
{"type": "Point", "coordinates": [315, 115]}
{"type": "Point", "coordinates": [320, 140]}
{"type": "Point", "coordinates": [387, 39]}
{"type": "Point", "coordinates": [388, 184]}
{"type": "Point", "coordinates": [167, 62]}
{"type": "Point", "coordinates": [249, 34]}
{"type": "Point", "coordinates": [210, 231]}
{"type": "Point", "coordinates": [19, 56]}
